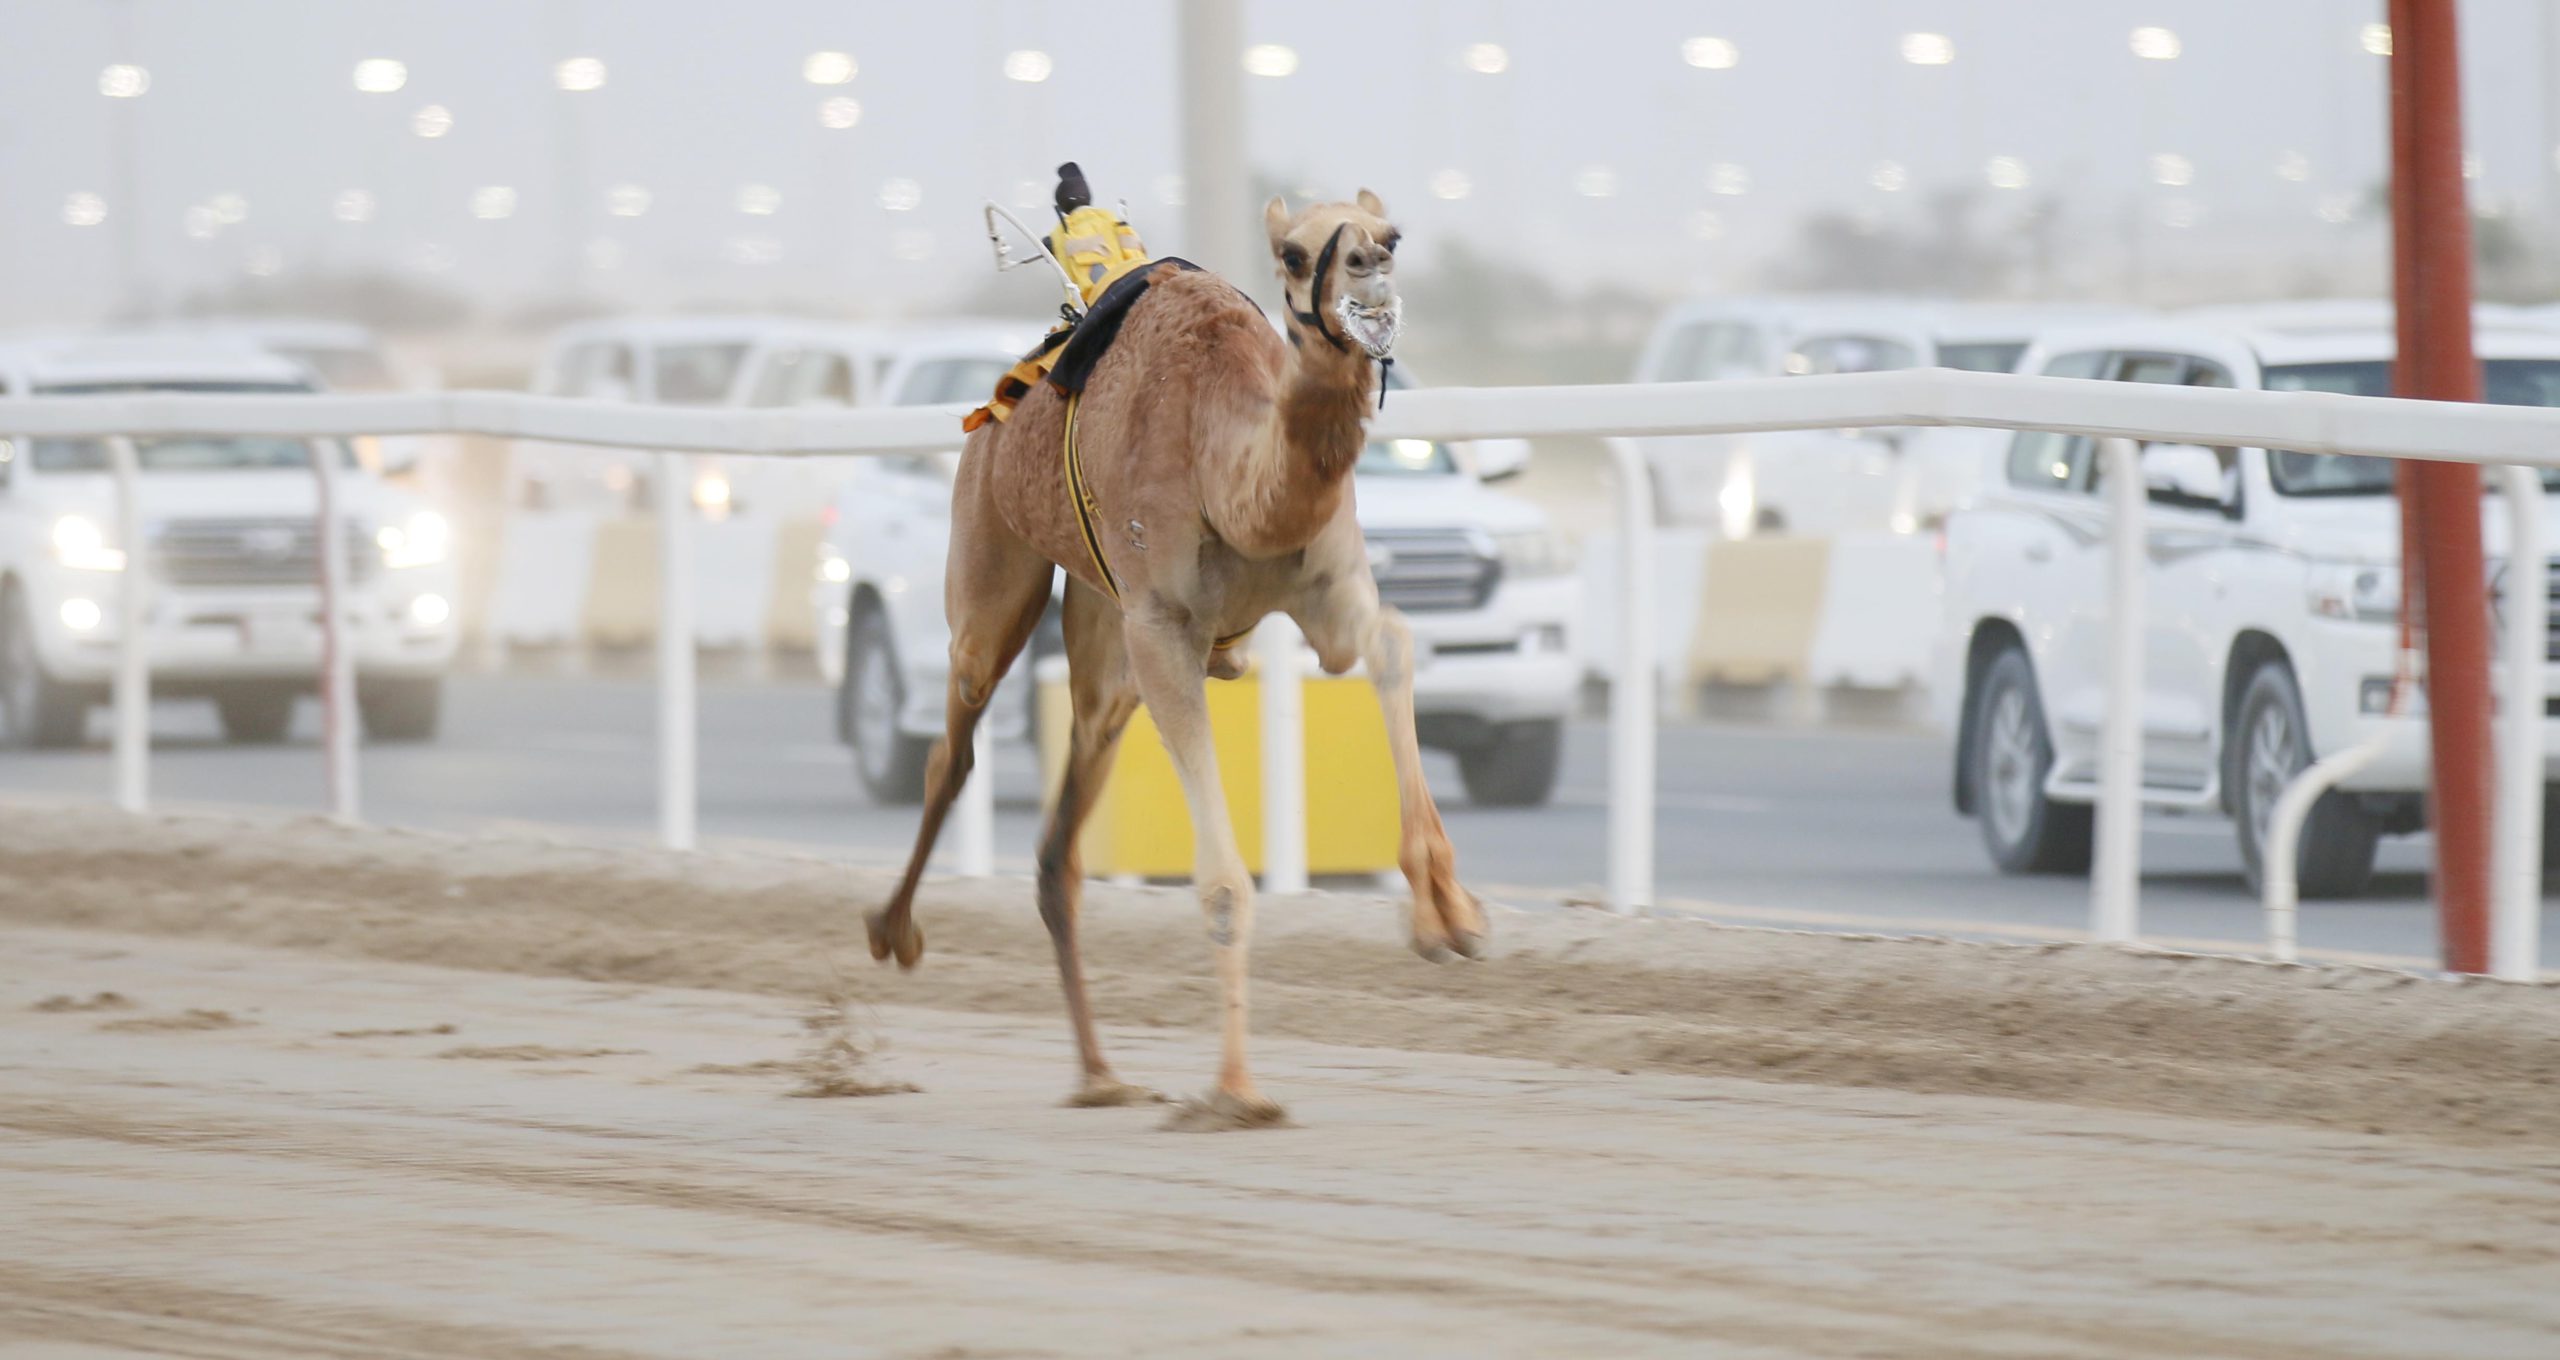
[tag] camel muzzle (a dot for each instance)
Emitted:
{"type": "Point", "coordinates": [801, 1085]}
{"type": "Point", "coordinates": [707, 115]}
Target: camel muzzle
{"type": "Point", "coordinates": [1373, 329]}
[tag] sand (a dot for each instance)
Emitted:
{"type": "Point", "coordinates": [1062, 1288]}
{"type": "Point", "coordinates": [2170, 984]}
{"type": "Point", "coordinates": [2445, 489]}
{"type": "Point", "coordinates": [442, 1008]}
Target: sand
{"type": "Point", "coordinates": [371, 1093]}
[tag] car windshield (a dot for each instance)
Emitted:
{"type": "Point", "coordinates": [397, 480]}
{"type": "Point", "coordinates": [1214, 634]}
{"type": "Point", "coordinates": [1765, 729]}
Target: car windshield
{"type": "Point", "coordinates": [1849, 354]}
{"type": "Point", "coordinates": [948, 380]}
{"type": "Point", "coordinates": [346, 370]}
{"type": "Point", "coordinates": [1982, 356]}
{"type": "Point", "coordinates": [183, 453]}
{"type": "Point", "coordinates": [1405, 458]}
{"type": "Point", "coordinates": [2505, 382]}
{"type": "Point", "coordinates": [698, 375]}
{"type": "Point", "coordinates": [186, 453]}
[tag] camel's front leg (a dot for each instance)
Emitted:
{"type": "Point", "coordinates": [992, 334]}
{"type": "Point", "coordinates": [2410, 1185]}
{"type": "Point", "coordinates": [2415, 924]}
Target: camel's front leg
{"type": "Point", "coordinates": [1446, 917]}
{"type": "Point", "coordinates": [1346, 624]}
{"type": "Point", "coordinates": [1166, 662]}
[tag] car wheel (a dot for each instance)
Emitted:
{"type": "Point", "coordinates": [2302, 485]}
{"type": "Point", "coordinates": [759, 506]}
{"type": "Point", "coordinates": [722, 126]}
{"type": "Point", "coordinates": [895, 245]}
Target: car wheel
{"type": "Point", "coordinates": [2334, 857]}
{"type": "Point", "coordinates": [406, 709]}
{"type": "Point", "coordinates": [258, 716]}
{"type": "Point", "coordinates": [2025, 831]}
{"type": "Point", "coordinates": [889, 762]}
{"type": "Point", "coordinates": [1517, 768]}
{"type": "Point", "coordinates": [34, 710]}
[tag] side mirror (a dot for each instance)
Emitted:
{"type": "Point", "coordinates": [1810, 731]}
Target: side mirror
{"type": "Point", "coordinates": [400, 455]}
{"type": "Point", "coordinates": [1499, 460]}
{"type": "Point", "coordinates": [2183, 474]}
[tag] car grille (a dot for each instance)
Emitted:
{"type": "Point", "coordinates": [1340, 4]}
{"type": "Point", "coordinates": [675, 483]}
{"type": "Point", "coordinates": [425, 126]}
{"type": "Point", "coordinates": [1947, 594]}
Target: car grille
{"type": "Point", "coordinates": [2552, 621]}
{"type": "Point", "coordinates": [1431, 570]}
{"type": "Point", "coordinates": [252, 552]}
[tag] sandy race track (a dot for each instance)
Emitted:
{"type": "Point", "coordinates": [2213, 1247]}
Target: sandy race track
{"type": "Point", "coordinates": [369, 1094]}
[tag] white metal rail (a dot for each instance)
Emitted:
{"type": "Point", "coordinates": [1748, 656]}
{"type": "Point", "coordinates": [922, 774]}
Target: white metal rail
{"type": "Point", "coordinates": [2305, 421]}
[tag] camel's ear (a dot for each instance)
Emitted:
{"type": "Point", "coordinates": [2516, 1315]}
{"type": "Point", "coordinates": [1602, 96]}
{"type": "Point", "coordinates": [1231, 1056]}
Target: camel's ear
{"type": "Point", "coordinates": [1370, 204]}
{"type": "Point", "coordinates": [1275, 221]}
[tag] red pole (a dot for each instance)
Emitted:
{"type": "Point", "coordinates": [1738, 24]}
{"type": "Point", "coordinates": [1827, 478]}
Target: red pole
{"type": "Point", "coordinates": [2432, 239]}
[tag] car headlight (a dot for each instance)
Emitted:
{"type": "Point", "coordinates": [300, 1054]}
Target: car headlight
{"type": "Point", "coordinates": [421, 540]}
{"type": "Point", "coordinates": [832, 568]}
{"type": "Point", "coordinates": [1533, 552]}
{"type": "Point", "coordinates": [78, 543]}
{"type": "Point", "coordinates": [2367, 592]}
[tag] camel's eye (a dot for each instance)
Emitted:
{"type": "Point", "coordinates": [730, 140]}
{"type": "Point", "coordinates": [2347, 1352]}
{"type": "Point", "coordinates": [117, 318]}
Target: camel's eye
{"type": "Point", "coordinates": [1389, 245]}
{"type": "Point", "coordinates": [1293, 257]}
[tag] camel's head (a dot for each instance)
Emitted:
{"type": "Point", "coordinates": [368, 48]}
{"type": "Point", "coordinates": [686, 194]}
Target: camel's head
{"type": "Point", "coordinates": [1337, 270]}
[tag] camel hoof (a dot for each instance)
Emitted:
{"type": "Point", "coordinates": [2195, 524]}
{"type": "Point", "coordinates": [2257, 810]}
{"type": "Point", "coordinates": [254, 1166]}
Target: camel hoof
{"type": "Point", "coordinates": [1110, 1092]}
{"type": "Point", "coordinates": [908, 948]}
{"type": "Point", "coordinates": [1225, 1112]}
{"type": "Point", "coordinates": [1432, 948]}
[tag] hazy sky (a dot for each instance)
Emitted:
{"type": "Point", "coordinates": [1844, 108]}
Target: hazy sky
{"type": "Point", "coordinates": [1598, 152]}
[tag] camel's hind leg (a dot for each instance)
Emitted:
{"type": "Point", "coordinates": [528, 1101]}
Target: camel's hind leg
{"type": "Point", "coordinates": [1348, 624]}
{"type": "Point", "coordinates": [1098, 673]}
{"type": "Point", "coordinates": [994, 592]}
{"type": "Point", "coordinates": [1166, 657]}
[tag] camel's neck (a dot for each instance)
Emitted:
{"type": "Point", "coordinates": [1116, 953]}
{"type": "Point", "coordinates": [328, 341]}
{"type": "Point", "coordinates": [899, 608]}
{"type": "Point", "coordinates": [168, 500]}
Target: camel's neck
{"type": "Point", "coordinates": [1296, 467]}
{"type": "Point", "coordinates": [1325, 397]}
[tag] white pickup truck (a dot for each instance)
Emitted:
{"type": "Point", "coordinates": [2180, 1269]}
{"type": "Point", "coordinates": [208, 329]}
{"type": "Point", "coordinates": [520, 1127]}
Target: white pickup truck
{"type": "Point", "coordinates": [1485, 583]}
{"type": "Point", "coordinates": [232, 548]}
{"type": "Point", "coordinates": [2272, 601]}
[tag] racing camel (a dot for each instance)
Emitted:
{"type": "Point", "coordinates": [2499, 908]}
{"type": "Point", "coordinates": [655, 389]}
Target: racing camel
{"type": "Point", "coordinates": [1205, 483]}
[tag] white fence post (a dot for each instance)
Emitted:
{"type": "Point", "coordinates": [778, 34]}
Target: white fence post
{"type": "Point", "coordinates": [2515, 910]}
{"type": "Point", "coordinates": [1632, 715]}
{"type": "Point", "coordinates": [1284, 756]}
{"type": "Point", "coordinates": [676, 692]}
{"type": "Point", "coordinates": [2116, 874]}
{"type": "Point", "coordinates": [338, 716]}
{"type": "Point", "coordinates": [2284, 840]}
{"type": "Point", "coordinates": [133, 612]}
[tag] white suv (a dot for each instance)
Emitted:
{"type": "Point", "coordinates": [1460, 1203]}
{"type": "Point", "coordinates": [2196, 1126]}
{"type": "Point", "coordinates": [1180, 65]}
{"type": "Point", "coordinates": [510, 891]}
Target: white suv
{"type": "Point", "coordinates": [232, 549]}
{"type": "Point", "coordinates": [1485, 583]}
{"type": "Point", "coordinates": [2272, 599]}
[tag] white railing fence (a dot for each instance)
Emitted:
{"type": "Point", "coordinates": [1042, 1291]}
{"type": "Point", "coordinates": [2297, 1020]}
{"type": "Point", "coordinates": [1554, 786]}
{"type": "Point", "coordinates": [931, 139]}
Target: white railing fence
{"type": "Point", "coordinates": [2118, 413]}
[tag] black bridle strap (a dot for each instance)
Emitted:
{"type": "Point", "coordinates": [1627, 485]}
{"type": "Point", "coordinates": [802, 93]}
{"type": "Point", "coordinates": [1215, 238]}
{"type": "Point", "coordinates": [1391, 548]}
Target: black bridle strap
{"type": "Point", "coordinates": [1314, 315]}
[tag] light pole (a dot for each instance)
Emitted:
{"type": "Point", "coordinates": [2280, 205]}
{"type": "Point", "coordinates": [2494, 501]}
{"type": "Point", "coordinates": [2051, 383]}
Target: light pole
{"type": "Point", "coordinates": [1218, 214]}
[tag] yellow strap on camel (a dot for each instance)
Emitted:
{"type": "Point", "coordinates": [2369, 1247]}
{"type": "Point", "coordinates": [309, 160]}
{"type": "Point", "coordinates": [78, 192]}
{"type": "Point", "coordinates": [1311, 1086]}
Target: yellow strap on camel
{"type": "Point", "coordinates": [1089, 515]}
{"type": "Point", "coordinates": [1081, 496]}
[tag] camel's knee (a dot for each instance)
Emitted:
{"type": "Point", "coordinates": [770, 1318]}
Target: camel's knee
{"type": "Point", "coordinates": [1227, 907]}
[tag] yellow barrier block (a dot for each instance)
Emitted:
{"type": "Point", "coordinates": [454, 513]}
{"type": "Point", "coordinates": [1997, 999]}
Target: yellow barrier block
{"type": "Point", "coordinates": [622, 589]}
{"type": "Point", "coordinates": [1142, 826]}
{"type": "Point", "coordinates": [1758, 612]}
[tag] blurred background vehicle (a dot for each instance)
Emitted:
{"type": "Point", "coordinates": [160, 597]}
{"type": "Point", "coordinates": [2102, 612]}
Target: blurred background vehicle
{"type": "Point", "coordinates": [2272, 600]}
{"type": "Point", "coordinates": [666, 361]}
{"type": "Point", "coordinates": [231, 549]}
{"type": "Point", "coordinates": [1828, 481]}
